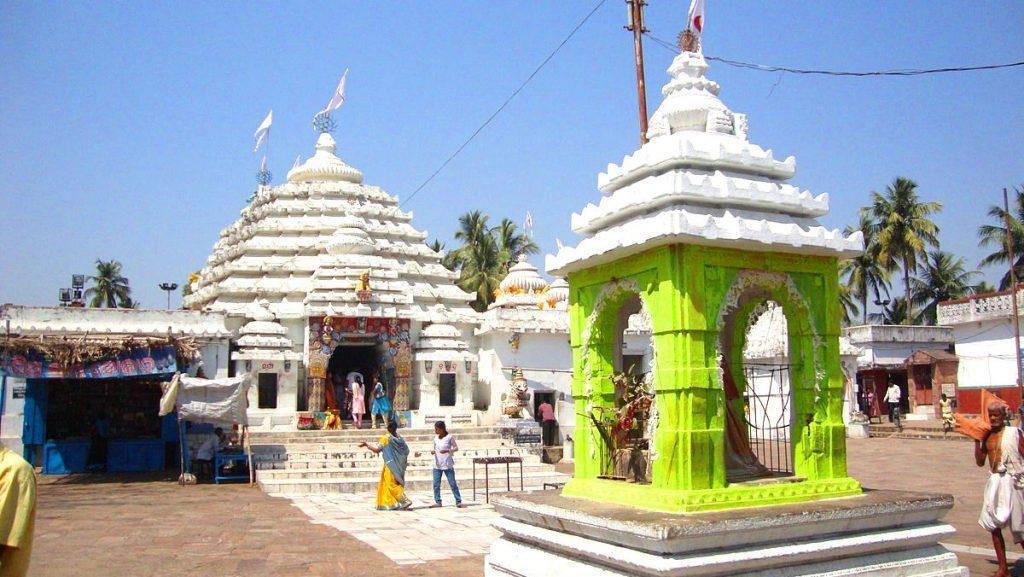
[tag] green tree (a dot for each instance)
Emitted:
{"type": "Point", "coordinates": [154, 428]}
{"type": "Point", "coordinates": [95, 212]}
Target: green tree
{"type": "Point", "coordinates": [512, 243]}
{"type": "Point", "coordinates": [942, 277]}
{"type": "Point", "coordinates": [481, 271]}
{"type": "Point", "coordinates": [984, 287]}
{"type": "Point", "coordinates": [905, 230]}
{"type": "Point", "coordinates": [110, 288]}
{"type": "Point", "coordinates": [893, 313]}
{"type": "Point", "coordinates": [849, 302]}
{"type": "Point", "coordinates": [448, 259]}
{"type": "Point", "coordinates": [864, 274]}
{"type": "Point", "coordinates": [995, 235]}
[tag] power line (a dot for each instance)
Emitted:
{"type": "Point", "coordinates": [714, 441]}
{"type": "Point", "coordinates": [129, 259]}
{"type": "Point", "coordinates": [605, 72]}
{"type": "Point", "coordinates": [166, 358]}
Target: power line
{"type": "Point", "coordinates": [506, 102]}
{"type": "Point", "coordinates": [769, 68]}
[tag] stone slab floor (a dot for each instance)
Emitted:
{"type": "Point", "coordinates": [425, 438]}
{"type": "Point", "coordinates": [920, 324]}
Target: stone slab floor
{"type": "Point", "coordinates": [146, 525]}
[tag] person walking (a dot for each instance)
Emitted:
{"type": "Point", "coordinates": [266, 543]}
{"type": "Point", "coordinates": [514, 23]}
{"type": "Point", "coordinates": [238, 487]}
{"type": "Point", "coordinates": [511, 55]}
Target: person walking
{"type": "Point", "coordinates": [892, 400]}
{"type": "Point", "coordinates": [381, 403]}
{"type": "Point", "coordinates": [391, 488]}
{"type": "Point", "coordinates": [548, 424]}
{"type": "Point", "coordinates": [444, 463]}
{"type": "Point", "coordinates": [358, 400]}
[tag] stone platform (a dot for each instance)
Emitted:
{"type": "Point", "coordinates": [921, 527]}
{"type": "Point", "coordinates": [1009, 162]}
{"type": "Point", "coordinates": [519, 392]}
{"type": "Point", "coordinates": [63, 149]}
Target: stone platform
{"type": "Point", "coordinates": [880, 533]}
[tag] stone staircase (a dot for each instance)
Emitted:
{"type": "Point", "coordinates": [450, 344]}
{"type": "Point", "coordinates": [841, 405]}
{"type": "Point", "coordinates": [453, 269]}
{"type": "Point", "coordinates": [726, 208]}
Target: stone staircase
{"type": "Point", "coordinates": [318, 462]}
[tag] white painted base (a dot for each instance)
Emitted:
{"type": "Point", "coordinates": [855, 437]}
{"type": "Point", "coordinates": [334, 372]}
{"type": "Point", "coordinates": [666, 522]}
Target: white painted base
{"type": "Point", "coordinates": [858, 430]}
{"type": "Point", "coordinates": [529, 551]}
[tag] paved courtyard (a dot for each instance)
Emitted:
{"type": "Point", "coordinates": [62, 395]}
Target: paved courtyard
{"type": "Point", "coordinates": [144, 525]}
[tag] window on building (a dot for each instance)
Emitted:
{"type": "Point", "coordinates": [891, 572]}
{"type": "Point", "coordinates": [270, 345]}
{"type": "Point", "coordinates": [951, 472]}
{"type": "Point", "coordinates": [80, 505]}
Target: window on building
{"type": "Point", "coordinates": [267, 391]}
{"type": "Point", "coordinates": [446, 383]}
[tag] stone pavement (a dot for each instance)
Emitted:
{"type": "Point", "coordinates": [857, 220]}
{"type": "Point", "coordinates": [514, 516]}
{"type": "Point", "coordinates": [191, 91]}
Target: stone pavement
{"type": "Point", "coordinates": [137, 525]}
{"type": "Point", "coordinates": [417, 536]}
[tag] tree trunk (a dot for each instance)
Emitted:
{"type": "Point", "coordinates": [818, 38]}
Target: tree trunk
{"type": "Point", "coordinates": [909, 319]}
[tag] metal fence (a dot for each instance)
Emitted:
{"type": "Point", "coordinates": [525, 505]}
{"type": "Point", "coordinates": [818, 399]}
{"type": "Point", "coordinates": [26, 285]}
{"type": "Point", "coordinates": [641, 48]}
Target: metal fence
{"type": "Point", "coordinates": [769, 415]}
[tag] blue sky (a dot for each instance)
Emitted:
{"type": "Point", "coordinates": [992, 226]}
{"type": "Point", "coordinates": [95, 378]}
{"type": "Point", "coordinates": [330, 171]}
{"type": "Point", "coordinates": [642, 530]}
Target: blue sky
{"type": "Point", "coordinates": [125, 128]}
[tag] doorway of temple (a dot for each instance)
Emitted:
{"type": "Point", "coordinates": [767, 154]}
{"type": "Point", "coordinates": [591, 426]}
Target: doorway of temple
{"type": "Point", "coordinates": [365, 359]}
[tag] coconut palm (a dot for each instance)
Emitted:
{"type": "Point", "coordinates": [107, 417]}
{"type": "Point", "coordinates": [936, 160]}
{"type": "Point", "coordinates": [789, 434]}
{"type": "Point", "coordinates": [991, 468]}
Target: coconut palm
{"type": "Point", "coordinates": [864, 274]}
{"type": "Point", "coordinates": [110, 287]}
{"type": "Point", "coordinates": [512, 243]}
{"type": "Point", "coordinates": [481, 271]}
{"type": "Point", "coordinates": [995, 235]}
{"type": "Point", "coordinates": [942, 277]}
{"type": "Point", "coordinates": [849, 303]}
{"type": "Point", "coordinates": [984, 287]}
{"type": "Point", "coordinates": [472, 228]}
{"type": "Point", "coordinates": [892, 313]}
{"type": "Point", "coordinates": [448, 259]}
{"type": "Point", "coordinates": [904, 231]}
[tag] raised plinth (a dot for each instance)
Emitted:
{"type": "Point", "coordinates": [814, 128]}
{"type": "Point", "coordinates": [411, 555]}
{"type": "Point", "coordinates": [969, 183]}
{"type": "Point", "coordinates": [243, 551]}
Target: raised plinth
{"type": "Point", "coordinates": [884, 533]}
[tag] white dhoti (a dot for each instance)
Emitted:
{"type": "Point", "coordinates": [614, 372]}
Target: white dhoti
{"type": "Point", "coordinates": [1003, 504]}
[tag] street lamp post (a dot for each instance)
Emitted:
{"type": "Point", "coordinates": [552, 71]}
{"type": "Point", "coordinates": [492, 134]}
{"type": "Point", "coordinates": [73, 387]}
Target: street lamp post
{"type": "Point", "coordinates": [168, 287]}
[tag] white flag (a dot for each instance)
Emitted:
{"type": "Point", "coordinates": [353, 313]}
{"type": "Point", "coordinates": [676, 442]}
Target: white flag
{"type": "Point", "coordinates": [696, 17]}
{"type": "Point", "coordinates": [263, 165]}
{"type": "Point", "coordinates": [298, 161]}
{"type": "Point", "coordinates": [338, 98]}
{"type": "Point", "coordinates": [263, 132]}
{"type": "Point", "coordinates": [528, 223]}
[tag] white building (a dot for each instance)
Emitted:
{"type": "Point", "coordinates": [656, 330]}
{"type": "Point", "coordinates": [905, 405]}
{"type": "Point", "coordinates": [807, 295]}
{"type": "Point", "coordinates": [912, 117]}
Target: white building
{"type": "Point", "coordinates": [982, 329]}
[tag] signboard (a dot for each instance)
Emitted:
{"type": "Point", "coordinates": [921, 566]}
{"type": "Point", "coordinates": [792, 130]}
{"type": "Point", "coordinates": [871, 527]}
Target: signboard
{"type": "Point", "coordinates": [142, 361]}
{"type": "Point", "coordinates": [527, 437]}
{"type": "Point", "coordinates": [18, 392]}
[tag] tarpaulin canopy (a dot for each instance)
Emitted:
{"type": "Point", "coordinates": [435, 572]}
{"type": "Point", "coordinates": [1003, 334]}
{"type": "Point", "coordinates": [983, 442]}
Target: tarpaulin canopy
{"type": "Point", "coordinates": [215, 401]}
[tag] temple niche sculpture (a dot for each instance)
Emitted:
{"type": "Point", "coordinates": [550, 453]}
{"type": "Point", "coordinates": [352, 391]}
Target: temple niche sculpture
{"type": "Point", "coordinates": [700, 229]}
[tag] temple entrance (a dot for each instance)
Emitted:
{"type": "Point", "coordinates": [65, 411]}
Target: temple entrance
{"type": "Point", "coordinates": [364, 358]}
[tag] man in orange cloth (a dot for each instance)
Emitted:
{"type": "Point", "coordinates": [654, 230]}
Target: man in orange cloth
{"type": "Point", "coordinates": [1003, 503]}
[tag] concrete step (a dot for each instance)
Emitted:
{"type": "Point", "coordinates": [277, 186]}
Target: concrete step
{"type": "Point", "coordinates": [420, 469]}
{"type": "Point", "coordinates": [320, 464]}
{"type": "Point", "coordinates": [360, 434]}
{"type": "Point", "coordinates": [414, 482]}
{"type": "Point", "coordinates": [464, 444]}
{"type": "Point", "coordinates": [360, 454]}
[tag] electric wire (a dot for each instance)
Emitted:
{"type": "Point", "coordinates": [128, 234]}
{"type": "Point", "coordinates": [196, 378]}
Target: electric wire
{"type": "Point", "coordinates": [769, 68]}
{"type": "Point", "coordinates": [505, 103]}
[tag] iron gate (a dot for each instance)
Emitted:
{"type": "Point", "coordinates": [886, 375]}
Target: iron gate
{"type": "Point", "coordinates": [769, 418]}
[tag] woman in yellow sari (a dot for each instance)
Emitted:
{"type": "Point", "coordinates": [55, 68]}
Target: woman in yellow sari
{"type": "Point", "coordinates": [391, 489]}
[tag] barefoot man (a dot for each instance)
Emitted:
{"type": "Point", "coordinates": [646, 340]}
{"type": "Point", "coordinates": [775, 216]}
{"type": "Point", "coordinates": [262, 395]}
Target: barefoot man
{"type": "Point", "coordinates": [1003, 503]}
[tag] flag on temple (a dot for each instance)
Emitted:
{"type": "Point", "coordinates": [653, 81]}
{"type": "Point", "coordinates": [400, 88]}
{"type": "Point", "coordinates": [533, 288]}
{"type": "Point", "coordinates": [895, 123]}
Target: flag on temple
{"type": "Point", "coordinates": [696, 20]}
{"type": "Point", "coordinates": [528, 223]}
{"type": "Point", "coordinates": [338, 98]}
{"type": "Point", "coordinates": [298, 161]}
{"type": "Point", "coordinates": [263, 165]}
{"type": "Point", "coordinates": [263, 132]}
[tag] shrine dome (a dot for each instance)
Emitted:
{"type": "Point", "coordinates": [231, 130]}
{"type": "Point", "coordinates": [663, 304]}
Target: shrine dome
{"type": "Point", "coordinates": [324, 165]}
{"type": "Point", "coordinates": [521, 285]}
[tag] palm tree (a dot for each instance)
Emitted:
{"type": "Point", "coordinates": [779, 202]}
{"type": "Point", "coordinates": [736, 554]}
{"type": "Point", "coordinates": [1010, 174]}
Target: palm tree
{"type": "Point", "coordinates": [512, 243]}
{"type": "Point", "coordinates": [472, 228]}
{"type": "Point", "coordinates": [448, 259]}
{"type": "Point", "coordinates": [894, 313]}
{"type": "Point", "coordinates": [904, 230]}
{"type": "Point", "coordinates": [481, 271]}
{"type": "Point", "coordinates": [110, 288]}
{"type": "Point", "coordinates": [984, 287]}
{"type": "Point", "coordinates": [996, 235]}
{"type": "Point", "coordinates": [942, 278]}
{"type": "Point", "coordinates": [846, 298]}
{"type": "Point", "coordinates": [864, 274]}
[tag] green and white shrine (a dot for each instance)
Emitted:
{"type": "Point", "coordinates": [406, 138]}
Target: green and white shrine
{"type": "Point", "coordinates": [699, 231]}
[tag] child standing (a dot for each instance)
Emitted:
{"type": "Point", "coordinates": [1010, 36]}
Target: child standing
{"type": "Point", "coordinates": [444, 463]}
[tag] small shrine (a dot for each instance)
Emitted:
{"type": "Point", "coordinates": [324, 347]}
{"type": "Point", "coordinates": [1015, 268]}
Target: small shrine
{"type": "Point", "coordinates": [700, 228]}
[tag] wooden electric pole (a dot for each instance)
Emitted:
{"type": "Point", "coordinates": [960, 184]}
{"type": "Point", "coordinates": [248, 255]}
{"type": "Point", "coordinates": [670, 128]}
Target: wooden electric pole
{"type": "Point", "coordinates": [1013, 293]}
{"type": "Point", "coordinates": [636, 26]}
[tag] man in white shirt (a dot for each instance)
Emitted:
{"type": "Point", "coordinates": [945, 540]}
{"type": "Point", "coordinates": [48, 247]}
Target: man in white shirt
{"type": "Point", "coordinates": [204, 456]}
{"type": "Point", "coordinates": [892, 399]}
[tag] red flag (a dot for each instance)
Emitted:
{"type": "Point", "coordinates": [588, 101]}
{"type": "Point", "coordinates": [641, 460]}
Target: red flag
{"type": "Point", "coordinates": [696, 21]}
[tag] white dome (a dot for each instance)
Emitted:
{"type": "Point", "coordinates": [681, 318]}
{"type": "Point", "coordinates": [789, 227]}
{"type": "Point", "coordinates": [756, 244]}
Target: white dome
{"type": "Point", "coordinates": [558, 291]}
{"type": "Point", "coordinates": [691, 101]}
{"type": "Point", "coordinates": [350, 240]}
{"type": "Point", "coordinates": [524, 277]}
{"type": "Point", "coordinates": [324, 165]}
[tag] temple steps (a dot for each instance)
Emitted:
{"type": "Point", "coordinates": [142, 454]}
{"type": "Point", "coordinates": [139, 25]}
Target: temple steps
{"type": "Point", "coordinates": [414, 481]}
{"type": "Point", "coordinates": [316, 462]}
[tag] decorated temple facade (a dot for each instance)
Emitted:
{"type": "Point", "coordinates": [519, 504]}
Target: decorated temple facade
{"type": "Point", "coordinates": [324, 276]}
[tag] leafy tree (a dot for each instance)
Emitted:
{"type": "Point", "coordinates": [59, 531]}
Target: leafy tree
{"type": "Point", "coordinates": [512, 243]}
{"type": "Point", "coordinates": [448, 259]}
{"type": "Point", "coordinates": [984, 287]}
{"type": "Point", "coordinates": [893, 313]}
{"type": "Point", "coordinates": [995, 235]}
{"type": "Point", "coordinates": [863, 275]}
{"type": "Point", "coordinates": [481, 271]}
{"type": "Point", "coordinates": [942, 278]}
{"type": "Point", "coordinates": [110, 288]}
{"type": "Point", "coordinates": [905, 230]}
{"type": "Point", "coordinates": [846, 297]}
